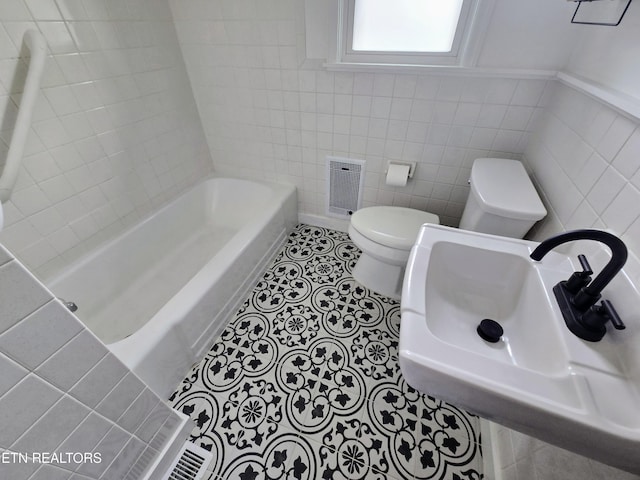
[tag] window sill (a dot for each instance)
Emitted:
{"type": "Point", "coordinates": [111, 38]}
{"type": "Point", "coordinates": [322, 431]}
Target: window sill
{"type": "Point", "coordinates": [444, 70]}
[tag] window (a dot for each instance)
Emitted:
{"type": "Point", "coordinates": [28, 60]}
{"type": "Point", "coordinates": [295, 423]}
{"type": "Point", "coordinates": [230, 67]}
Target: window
{"type": "Point", "coordinates": [413, 32]}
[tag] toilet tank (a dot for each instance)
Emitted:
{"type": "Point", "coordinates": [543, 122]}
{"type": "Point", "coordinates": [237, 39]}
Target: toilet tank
{"type": "Point", "coordinates": [502, 201]}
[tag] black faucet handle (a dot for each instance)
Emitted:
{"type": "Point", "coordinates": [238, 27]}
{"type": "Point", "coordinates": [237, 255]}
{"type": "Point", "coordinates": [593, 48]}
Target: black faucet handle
{"type": "Point", "coordinates": [611, 313]}
{"type": "Point", "coordinates": [584, 263]}
{"type": "Point", "coordinates": [595, 319]}
{"type": "Point", "coordinates": [577, 280]}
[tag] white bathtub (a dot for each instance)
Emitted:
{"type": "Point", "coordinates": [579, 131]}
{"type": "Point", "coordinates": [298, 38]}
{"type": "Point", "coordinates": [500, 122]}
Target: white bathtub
{"type": "Point", "coordinates": [160, 293]}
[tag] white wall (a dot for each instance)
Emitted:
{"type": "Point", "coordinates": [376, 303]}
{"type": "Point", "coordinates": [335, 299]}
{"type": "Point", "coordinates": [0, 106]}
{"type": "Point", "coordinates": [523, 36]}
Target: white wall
{"type": "Point", "coordinates": [609, 55]}
{"type": "Point", "coordinates": [520, 34]}
{"type": "Point", "coordinates": [115, 133]}
{"type": "Point", "coordinates": [529, 35]}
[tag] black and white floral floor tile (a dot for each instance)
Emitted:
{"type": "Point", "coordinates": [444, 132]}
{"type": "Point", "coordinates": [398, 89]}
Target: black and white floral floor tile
{"type": "Point", "coordinates": [304, 383]}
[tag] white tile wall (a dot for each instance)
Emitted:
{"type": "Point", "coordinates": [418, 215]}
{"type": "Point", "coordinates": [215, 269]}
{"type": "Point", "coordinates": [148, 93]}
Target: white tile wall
{"type": "Point", "coordinates": [115, 134]}
{"type": "Point", "coordinates": [585, 159]}
{"type": "Point", "coordinates": [61, 391]}
{"type": "Point", "coordinates": [520, 457]}
{"type": "Point", "coordinates": [266, 114]}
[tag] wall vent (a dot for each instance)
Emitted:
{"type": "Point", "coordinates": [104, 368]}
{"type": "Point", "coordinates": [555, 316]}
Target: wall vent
{"type": "Point", "coordinates": [345, 181]}
{"type": "Point", "coordinates": [190, 464]}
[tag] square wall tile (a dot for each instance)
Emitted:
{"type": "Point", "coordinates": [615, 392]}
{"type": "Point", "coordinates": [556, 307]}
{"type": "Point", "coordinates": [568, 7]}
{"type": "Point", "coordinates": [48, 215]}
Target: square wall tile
{"type": "Point", "coordinates": [40, 335]}
{"type": "Point", "coordinates": [133, 417]}
{"type": "Point", "coordinates": [17, 470]}
{"type": "Point", "coordinates": [22, 406]}
{"type": "Point", "coordinates": [99, 381]}
{"type": "Point", "coordinates": [44, 9]}
{"type": "Point", "coordinates": [20, 294]}
{"type": "Point", "coordinates": [129, 66]}
{"type": "Point", "coordinates": [109, 447]}
{"type": "Point", "coordinates": [627, 161]}
{"type": "Point", "coordinates": [151, 425]}
{"type": "Point", "coordinates": [121, 397]}
{"type": "Point", "coordinates": [87, 435]}
{"type": "Point", "coordinates": [53, 427]}
{"type": "Point", "coordinates": [12, 373]}
{"type": "Point", "coordinates": [583, 217]}
{"type": "Point", "coordinates": [528, 92]}
{"type": "Point", "coordinates": [623, 210]}
{"type": "Point", "coordinates": [617, 135]}
{"type": "Point", "coordinates": [73, 361]}
{"type": "Point", "coordinates": [608, 186]}
{"type": "Point", "coordinates": [12, 10]}
{"type": "Point", "coordinates": [590, 173]}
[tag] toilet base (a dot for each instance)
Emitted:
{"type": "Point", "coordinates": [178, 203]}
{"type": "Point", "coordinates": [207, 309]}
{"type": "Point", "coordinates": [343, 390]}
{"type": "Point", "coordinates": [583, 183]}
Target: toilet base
{"type": "Point", "coordinates": [381, 277]}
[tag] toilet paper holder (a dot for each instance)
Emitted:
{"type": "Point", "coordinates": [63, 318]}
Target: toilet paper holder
{"type": "Point", "coordinates": [412, 166]}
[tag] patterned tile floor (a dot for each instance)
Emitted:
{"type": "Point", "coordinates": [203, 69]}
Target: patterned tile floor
{"type": "Point", "coordinates": [305, 383]}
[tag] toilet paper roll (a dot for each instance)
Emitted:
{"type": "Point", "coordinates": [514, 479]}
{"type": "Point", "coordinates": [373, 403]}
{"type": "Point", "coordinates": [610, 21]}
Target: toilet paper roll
{"type": "Point", "coordinates": [397, 175]}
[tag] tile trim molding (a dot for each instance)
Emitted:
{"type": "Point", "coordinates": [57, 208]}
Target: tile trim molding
{"type": "Point", "coordinates": [615, 99]}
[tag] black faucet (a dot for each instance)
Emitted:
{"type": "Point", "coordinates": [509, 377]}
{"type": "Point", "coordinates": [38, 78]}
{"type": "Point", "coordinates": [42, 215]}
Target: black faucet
{"type": "Point", "coordinates": [577, 297]}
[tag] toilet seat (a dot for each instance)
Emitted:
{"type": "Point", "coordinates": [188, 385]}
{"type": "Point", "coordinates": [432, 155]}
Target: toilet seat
{"type": "Point", "coordinates": [394, 227]}
{"type": "Point", "coordinates": [382, 253]}
{"type": "Point", "coordinates": [385, 235]}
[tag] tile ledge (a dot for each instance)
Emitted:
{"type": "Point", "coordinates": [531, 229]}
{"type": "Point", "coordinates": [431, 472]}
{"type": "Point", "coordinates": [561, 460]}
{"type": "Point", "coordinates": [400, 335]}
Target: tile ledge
{"type": "Point", "coordinates": [616, 99]}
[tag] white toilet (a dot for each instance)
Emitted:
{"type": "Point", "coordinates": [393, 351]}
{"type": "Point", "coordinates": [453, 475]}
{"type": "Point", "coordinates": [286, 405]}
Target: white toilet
{"type": "Point", "coordinates": [502, 201]}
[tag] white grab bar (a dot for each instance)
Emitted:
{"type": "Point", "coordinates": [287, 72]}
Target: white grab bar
{"type": "Point", "coordinates": [38, 47]}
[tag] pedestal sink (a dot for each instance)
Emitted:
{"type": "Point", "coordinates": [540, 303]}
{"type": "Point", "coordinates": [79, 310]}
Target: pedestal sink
{"type": "Point", "coordinates": [538, 377]}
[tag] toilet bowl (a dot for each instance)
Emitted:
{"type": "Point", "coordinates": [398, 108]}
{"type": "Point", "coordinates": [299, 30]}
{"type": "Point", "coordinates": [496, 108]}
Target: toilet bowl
{"type": "Point", "coordinates": [385, 235]}
{"type": "Point", "coordinates": [502, 201]}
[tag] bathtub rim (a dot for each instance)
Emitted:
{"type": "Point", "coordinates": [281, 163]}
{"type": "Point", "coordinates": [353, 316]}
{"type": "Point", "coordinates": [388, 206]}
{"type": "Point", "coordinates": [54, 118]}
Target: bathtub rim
{"type": "Point", "coordinates": [131, 350]}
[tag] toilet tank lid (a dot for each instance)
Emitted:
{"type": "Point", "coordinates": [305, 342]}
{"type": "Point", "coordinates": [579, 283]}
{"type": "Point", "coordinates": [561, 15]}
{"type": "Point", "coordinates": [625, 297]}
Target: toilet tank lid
{"type": "Point", "coordinates": [395, 227]}
{"type": "Point", "coordinates": [503, 188]}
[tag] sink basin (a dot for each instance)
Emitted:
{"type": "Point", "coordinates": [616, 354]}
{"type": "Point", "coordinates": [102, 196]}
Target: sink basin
{"type": "Point", "coordinates": [507, 291]}
{"type": "Point", "coordinates": [538, 377]}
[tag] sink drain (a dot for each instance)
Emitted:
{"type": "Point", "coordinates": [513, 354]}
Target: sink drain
{"type": "Point", "coordinates": [490, 330]}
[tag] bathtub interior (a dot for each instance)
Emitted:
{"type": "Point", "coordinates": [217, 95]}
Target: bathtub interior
{"type": "Point", "coordinates": [120, 286]}
{"type": "Point", "coordinates": [170, 284]}
{"type": "Point", "coordinates": [139, 298]}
